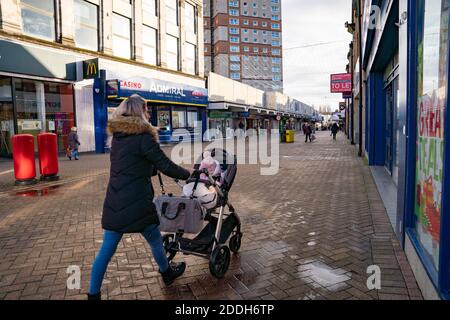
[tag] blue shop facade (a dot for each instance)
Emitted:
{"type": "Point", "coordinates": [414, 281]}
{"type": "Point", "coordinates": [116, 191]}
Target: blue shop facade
{"type": "Point", "coordinates": [405, 58]}
{"type": "Point", "coordinates": [177, 110]}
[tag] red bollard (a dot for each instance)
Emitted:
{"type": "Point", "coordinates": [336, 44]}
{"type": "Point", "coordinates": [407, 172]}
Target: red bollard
{"type": "Point", "coordinates": [48, 156]}
{"type": "Point", "coordinates": [24, 162]}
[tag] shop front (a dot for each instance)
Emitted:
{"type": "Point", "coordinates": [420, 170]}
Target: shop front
{"type": "Point", "coordinates": [178, 110]}
{"type": "Point", "coordinates": [221, 124]}
{"type": "Point", "coordinates": [408, 148]}
{"type": "Point", "coordinates": [385, 111]}
{"type": "Point", "coordinates": [36, 92]}
{"type": "Point", "coordinates": [29, 106]}
{"type": "Point", "coordinates": [427, 206]}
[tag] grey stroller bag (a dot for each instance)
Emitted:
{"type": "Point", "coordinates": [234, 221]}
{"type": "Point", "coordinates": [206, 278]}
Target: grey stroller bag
{"type": "Point", "coordinates": [179, 214]}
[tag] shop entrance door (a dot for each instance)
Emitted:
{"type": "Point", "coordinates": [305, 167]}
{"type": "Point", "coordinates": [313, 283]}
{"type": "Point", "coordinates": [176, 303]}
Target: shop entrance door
{"type": "Point", "coordinates": [6, 128]}
{"type": "Point", "coordinates": [391, 130]}
{"type": "Point", "coordinates": [388, 154]}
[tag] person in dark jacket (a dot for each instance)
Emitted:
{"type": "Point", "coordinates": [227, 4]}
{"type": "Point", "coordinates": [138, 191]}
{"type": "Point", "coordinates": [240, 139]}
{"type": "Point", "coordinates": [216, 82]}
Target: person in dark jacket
{"type": "Point", "coordinates": [74, 143]}
{"type": "Point", "coordinates": [334, 130]}
{"type": "Point", "coordinates": [128, 207]}
{"type": "Point", "coordinates": [308, 132]}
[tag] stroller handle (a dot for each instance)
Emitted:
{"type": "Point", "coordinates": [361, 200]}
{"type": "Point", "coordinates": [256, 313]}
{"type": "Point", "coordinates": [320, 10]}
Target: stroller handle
{"type": "Point", "coordinates": [197, 174]}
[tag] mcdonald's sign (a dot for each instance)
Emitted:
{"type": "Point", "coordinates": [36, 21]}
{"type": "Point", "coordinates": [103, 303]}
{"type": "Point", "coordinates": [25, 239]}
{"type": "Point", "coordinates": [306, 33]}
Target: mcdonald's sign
{"type": "Point", "coordinates": [90, 68]}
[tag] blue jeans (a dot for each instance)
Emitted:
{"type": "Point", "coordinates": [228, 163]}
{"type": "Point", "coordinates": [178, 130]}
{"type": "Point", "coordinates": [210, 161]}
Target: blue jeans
{"type": "Point", "coordinates": [75, 153]}
{"type": "Point", "coordinates": [110, 241]}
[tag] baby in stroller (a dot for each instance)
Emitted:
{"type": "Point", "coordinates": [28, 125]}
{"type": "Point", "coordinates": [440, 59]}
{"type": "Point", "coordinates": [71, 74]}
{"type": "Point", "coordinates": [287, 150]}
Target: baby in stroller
{"type": "Point", "coordinates": [205, 192]}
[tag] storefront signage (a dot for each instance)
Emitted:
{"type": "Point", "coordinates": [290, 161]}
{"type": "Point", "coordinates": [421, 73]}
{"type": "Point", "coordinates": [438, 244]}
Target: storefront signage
{"type": "Point", "coordinates": [90, 69]}
{"type": "Point", "coordinates": [430, 170]}
{"type": "Point", "coordinates": [213, 114]}
{"type": "Point", "coordinates": [243, 114]}
{"type": "Point", "coordinates": [51, 126]}
{"type": "Point", "coordinates": [112, 88]}
{"type": "Point", "coordinates": [30, 125]}
{"type": "Point", "coordinates": [341, 82]}
{"type": "Point", "coordinates": [356, 79]}
{"type": "Point", "coordinates": [6, 126]}
{"type": "Point", "coordinates": [29, 59]}
{"type": "Point", "coordinates": [160, 91]}
{"type": "Point", "coordinates": [346, 95]}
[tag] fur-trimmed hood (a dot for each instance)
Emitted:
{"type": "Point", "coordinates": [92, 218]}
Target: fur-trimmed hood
{"type": "Point", "coordinates": [131, 126]}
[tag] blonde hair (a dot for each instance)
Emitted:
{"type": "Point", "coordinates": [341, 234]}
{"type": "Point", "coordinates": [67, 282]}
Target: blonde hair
{"type": "Point", "coordinates": [133, 106]}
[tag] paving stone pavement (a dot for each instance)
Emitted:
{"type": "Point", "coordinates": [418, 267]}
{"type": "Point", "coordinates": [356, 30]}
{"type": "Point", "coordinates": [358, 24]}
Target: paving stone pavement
{"type": "Point", "coordinates": [310, 232]}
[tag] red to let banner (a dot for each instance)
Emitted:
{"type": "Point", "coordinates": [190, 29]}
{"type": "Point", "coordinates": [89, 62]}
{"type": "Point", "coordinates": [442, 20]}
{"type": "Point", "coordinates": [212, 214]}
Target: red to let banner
{"type": "Point", "coordinates": [341, 83]}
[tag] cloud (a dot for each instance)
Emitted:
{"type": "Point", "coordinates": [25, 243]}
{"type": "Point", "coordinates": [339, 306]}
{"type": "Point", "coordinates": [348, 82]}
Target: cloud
{"type": "Point", "coordinates": [317, 27]}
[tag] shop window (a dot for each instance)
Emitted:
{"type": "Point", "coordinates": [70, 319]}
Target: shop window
{"type": "Point", "coordinates": [178, 117]}
{"type": "Point", "coordinates": [431, 102]}
{"type": "Point", "coordinates": [86, 25]}
{"type": "Point", "coordinates": [44, 107]}
{"type": "Point", "coordinates": [192, 118]}
{"type": "Point", "coordinates": [38, 18]}
{"type": "Point", "coordinates": [6, 117]}
{"type": "Point", "coordinates": [163, 119]}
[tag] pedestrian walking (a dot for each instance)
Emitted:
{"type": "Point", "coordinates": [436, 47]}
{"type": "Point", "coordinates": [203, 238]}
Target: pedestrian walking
{"type": "Point", "coordinates": [334, 130]}
{"type": "Point", "coordinates": [308, 132]}
{"type": "Point", "coordinates": [74, 143]}
{"type": "Point", "coordinates": [128, 207]}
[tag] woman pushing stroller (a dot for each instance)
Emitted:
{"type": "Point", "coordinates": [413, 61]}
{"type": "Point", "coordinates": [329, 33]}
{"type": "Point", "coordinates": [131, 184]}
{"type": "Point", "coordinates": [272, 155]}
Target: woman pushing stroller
{"type": "Point", "coordinates": [128, 207]}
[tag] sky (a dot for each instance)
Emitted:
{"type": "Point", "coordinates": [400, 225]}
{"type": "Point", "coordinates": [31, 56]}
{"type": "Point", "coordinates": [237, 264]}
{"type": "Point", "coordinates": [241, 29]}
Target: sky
{"type": "Point", "coordinates": [317, 26]}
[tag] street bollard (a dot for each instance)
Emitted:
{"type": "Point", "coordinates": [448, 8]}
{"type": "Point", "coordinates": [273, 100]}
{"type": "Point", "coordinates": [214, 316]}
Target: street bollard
{"type": "Point", "coordinates": [24, 162]}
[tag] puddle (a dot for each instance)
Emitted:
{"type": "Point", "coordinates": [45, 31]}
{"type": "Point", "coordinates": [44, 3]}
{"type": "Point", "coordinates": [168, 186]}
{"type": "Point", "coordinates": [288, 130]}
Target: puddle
{"type": "Point", "coordinates": [37, 192]}
{"type": "Point", "coordinates": [324, 275]}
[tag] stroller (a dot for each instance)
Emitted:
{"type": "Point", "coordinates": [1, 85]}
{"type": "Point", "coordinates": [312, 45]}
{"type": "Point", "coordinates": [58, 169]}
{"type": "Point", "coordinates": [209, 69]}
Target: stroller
{"type": "Point", "coordinates": [179, 215]}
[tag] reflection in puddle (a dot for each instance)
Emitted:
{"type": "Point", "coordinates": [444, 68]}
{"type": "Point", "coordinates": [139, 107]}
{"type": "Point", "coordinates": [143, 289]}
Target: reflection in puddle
{"type": "Point", "coordinates": [37, 193]}
{"type": "Point", "coordinates": [311, 234]}
{"type": "Point", "coordinates": [312, 243]}
{"type": "Point", "coordinates": [324, 275]}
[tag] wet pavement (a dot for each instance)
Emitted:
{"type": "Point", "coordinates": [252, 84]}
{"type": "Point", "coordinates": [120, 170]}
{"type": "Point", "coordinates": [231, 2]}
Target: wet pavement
{"type": "Point", "coordinates": [310, 232]}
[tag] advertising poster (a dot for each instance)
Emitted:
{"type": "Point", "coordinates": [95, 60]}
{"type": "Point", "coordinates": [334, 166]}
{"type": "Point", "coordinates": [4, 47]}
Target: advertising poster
{"type": "Point", "coordinates": [432, 99]}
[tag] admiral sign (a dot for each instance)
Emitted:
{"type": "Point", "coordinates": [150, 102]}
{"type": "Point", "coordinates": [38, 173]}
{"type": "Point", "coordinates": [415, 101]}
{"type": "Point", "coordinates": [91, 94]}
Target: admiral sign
{"type": "Point", "coordinates": [341, 83]}
{"type": "Point", "coordinates": [161, 91]}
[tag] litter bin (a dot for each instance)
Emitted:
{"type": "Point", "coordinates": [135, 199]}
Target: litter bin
{"type": "Point", "coordinates": [24, 162]}
{"type": "Point", "coordinates": [48, 156]}
{"type": "Point", "coordinates": [290, 136]}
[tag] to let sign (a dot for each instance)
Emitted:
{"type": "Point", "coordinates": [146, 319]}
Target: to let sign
{"type": "Point", "coordinates": [341, 83]}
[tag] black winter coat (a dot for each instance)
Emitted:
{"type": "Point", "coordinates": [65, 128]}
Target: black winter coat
{"type": "Point", "coordinates": [334, 128]}
{"type": "Point", "coordinates": [135, 154]}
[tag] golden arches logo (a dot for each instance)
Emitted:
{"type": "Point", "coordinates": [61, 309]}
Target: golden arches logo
{"type": "Point", "coordinates": [91, 69]}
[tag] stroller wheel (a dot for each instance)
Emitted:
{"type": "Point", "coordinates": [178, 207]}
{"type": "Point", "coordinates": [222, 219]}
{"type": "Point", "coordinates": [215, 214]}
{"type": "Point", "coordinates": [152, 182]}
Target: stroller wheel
{"type": "Point", "coordinates": [219, 261]}
{"type": "Point", "coordinates": [235, 242]}
{"type": "Point", "coordinates": [169, 246]}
